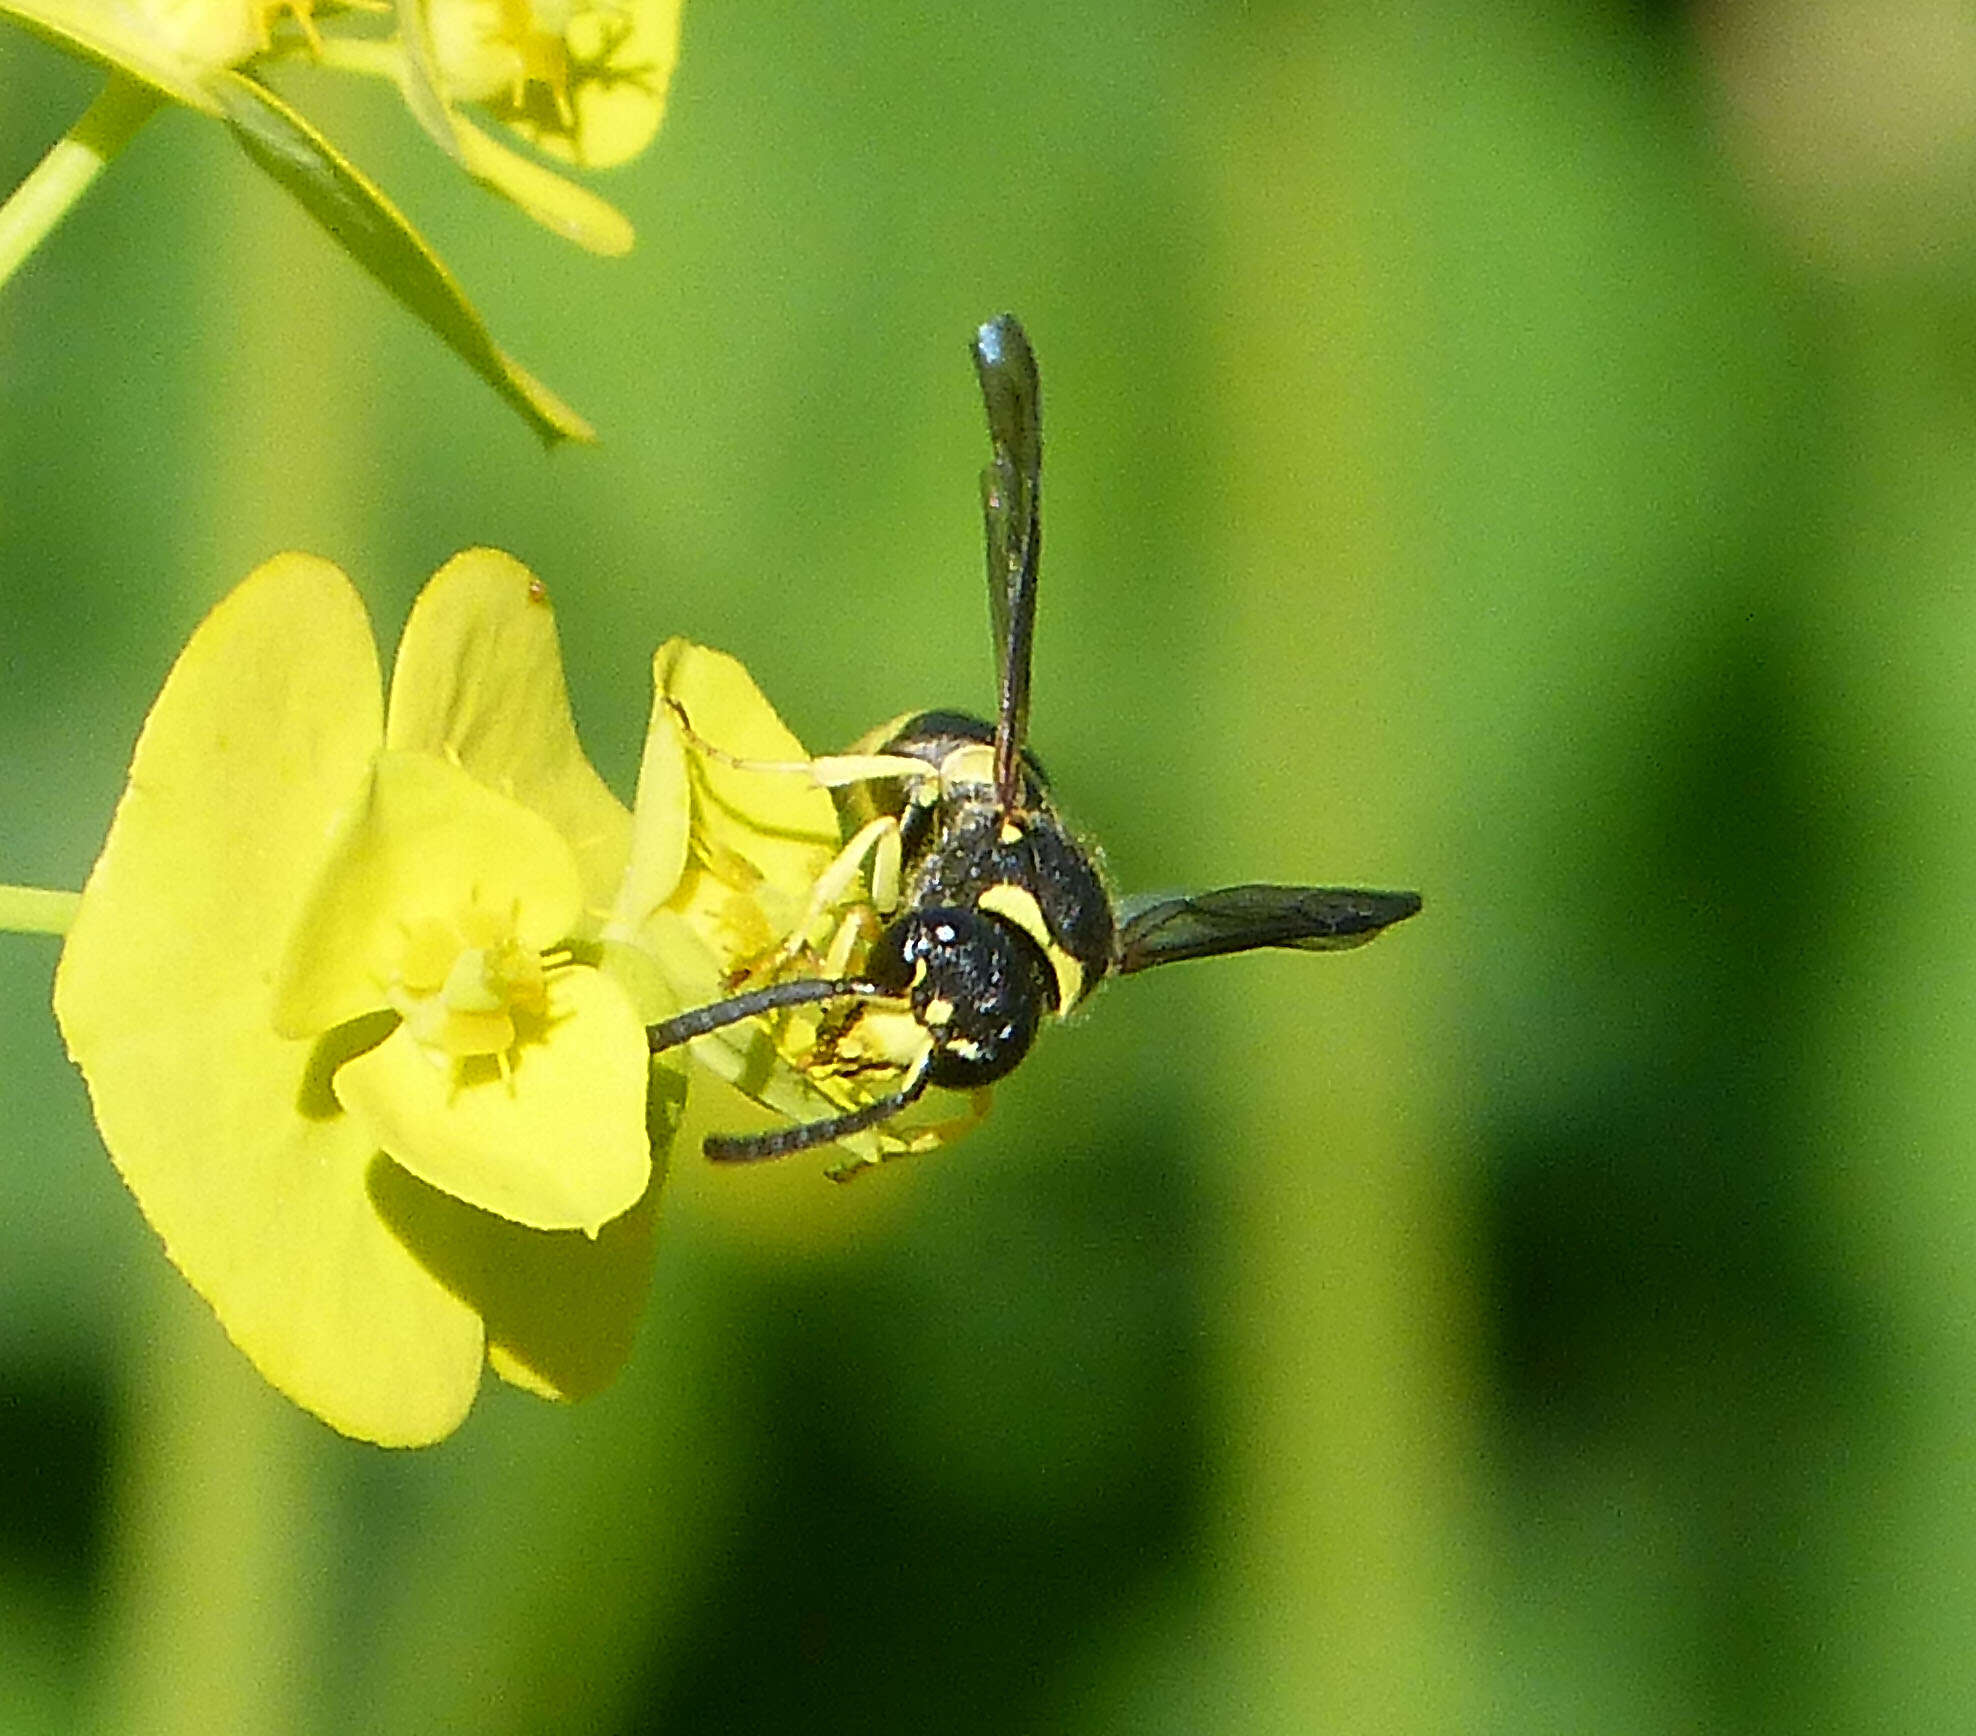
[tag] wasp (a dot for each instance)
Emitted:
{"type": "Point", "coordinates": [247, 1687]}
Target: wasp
{"type": "Point", "coordinates": [994, 914]}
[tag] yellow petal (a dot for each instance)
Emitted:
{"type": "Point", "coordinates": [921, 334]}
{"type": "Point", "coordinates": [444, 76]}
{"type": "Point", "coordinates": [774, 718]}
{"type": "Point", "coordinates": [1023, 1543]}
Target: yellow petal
{"type": "Point", "coordinates": [758, 839]}
{"type": "Point", "coordinates": [226, 1133]}
{"type": "Point", "coordinates": [129, 43]}
{"type": "Point", "coordinates": [722, 865]}
{"type": "Point", "coordinates": [560, 206]}
{"type": "Point", "coordinates": [553, 1139]}
{"type": "Point", "coordinates": [780, 824]}
{"type": "Point", "coordinates": [423, 845]}
{"type": "Point", "coordinates": [582, 82]}
{"type": "Point", "coordinates": [561, 1308]}
{"type": "Point", "coordinates": [479, 681]}
{"type": "Point", "coordinates": [754, 843]}
{"type": "Point", "coordinates": [621, 60]}
{"type": "Point", "coordinates": [661, 816]}
{"type": "Point", "coordinates": [744, 1055]}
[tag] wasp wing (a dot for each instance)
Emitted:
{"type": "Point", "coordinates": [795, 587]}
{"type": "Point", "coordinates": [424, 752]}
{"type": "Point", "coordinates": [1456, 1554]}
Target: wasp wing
{"type": "Point", "coordinates": [1011, 512]}
{"type": "Point", "coordinates": [1237, 918]}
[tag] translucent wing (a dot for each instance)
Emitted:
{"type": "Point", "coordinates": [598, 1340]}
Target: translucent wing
{"type": "Point", "coordinates": [1011, 512]}
{"type": "Point", "coordinates": [1237, 918]}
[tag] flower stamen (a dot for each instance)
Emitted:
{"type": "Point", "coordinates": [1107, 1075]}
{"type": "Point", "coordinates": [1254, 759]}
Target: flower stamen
{"type": "Point", "coordinates": [302, 11]}
{"type": "Point", "coordinates": [470, 990]}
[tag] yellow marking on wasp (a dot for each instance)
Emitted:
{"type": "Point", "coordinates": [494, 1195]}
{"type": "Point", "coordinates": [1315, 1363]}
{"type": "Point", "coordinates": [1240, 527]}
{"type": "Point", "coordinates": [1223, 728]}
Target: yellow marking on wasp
{"type": "Point", "coordinates": [939, 1012]}
{"type": "Point", "coordinates": [1011, 832]}
{"type": "Point", "coordinates": [972, 763]}
{"type": "Point", "coordinates": [895, 1039]}
{"type": "Point", "coordinates": [1018, 904]}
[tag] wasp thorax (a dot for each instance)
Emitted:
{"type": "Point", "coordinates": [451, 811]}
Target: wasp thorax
{"type": "Point", "coordinates": [979, 986]}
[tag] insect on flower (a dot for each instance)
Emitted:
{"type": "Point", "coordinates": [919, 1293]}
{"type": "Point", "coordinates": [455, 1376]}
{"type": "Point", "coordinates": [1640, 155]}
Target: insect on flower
{"type": "Point", "coordinates": [991, 916]}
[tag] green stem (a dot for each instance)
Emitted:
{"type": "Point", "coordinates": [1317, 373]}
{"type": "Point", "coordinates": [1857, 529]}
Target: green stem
{"type": "Point", "coordinates": [36, 910]}
{"type": "Point", "coordinates": [62, 177]}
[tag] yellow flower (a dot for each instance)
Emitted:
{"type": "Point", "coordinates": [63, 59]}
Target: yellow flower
{"type": "Point", "coordinates": [204, 33]}
{"type": "Point", "coordinates": [328, 987]}
{"type": "Point", "coordinates": [582, 81]}
{"type": "Point", "coordinates": [724, 862]}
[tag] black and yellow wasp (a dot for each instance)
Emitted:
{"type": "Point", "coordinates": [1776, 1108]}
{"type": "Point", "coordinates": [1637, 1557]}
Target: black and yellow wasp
{"type": "Point", "coordinates": [995, 916]}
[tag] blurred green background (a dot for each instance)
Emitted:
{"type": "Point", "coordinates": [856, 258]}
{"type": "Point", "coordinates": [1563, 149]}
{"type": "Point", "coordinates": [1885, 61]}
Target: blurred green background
{"type": "Point", "coordinates": [1523, 451]}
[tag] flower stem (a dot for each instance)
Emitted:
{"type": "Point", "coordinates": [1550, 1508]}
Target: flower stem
{"type": "Point", "coordinates": [35, 910]}
{"type": "Point", "coordinates": [55, 183]}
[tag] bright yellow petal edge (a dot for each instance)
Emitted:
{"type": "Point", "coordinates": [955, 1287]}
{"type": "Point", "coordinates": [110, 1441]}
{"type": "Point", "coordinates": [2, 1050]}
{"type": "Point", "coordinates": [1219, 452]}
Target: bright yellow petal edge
{"type": "Point", "coordinates": [366, 1296]}
{"type": "Point", "coordinates": [223, 1130]}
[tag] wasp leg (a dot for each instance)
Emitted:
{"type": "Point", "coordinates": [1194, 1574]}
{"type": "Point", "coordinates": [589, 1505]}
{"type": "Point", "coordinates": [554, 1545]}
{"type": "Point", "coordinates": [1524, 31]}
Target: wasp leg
{"type": "Point", "coordinates": [859, 923]}
{"type": "Point", "coordinates": [760, 1147]}
{"type": "Point", "coordinates": [831, 771]}
{"type": "Point", "coordinates": [887, 870]}
{"type": "Point", "coordinates": [922, 1138]}
{"type": "Point", "coordinates": [835, 881]}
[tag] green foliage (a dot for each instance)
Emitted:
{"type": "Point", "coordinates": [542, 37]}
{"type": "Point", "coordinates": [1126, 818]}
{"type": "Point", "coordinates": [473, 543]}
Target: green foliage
{"type": "Point", "coordinates": [1489, 450]}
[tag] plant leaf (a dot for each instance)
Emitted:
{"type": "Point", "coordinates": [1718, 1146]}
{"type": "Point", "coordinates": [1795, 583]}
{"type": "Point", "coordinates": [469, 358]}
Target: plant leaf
{"type": "Point", "coordinates": [380, 238]}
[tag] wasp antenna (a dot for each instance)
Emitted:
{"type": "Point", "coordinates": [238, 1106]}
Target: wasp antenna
{"type": "Point", "coordinates": [805, 991]}
{"type": "Point", "coordinates": [761, 1147]}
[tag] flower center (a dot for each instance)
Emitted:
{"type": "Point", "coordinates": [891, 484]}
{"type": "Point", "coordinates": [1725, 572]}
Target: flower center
{"type": "Point", "coordinates": [494, 50]}
{"type": "Point", "coordinates": [469, 987]}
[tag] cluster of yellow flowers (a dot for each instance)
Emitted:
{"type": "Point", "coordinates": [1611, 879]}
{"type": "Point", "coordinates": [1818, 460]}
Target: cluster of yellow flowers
{"type": "Point", "coordinates": [582, 81]}
{"type": "Point", "coordinates": [360, 988]}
